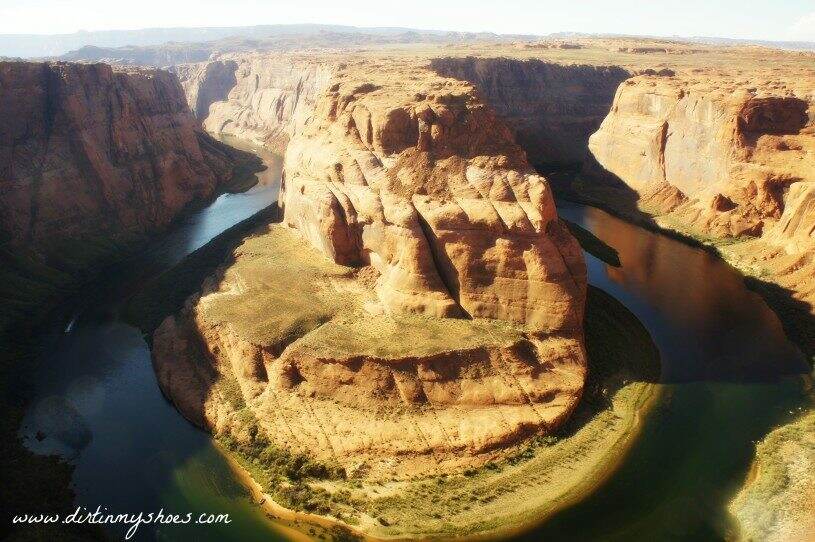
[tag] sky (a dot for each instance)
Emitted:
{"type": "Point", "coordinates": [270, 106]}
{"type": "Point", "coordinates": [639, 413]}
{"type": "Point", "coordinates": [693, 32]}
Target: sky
{"type": "Point", "coordinates": [765, 19]}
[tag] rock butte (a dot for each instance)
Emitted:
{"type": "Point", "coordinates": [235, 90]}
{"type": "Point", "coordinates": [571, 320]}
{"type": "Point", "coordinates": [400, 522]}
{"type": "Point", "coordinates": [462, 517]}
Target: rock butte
{"type": "Point", "coordinates": [437, 318]}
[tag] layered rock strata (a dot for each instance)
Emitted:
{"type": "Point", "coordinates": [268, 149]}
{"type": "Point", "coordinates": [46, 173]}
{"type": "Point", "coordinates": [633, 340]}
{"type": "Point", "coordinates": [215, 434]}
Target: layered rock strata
{"type": "Point", "coordinates": [88, 151]}
{"type": "Point", "coordinates": [262, 98]}
{"type": "Point", "coordinates": [427, 313]}
{"type": "Point", "coordinates": [552, 108]}
{"type": "Point", "coordinates": [722, 161]}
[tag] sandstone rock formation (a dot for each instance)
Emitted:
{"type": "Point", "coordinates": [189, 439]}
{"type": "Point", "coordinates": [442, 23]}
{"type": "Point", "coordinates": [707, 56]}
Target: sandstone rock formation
{"type": "Point", "coordinates": [438, 317]}
{"type": "Point", "coordinates": [261, 98]}
{"type": "Point", "coordinates": [424, 183]}
{"type": "Point", "coordinates": [721, 160]}
{"type": "Point", "coordinates": [552, 108]}
{"type": "Point", "coordinates": [731, 152]}
{"type": "Point", "coordinates": [87, 151]}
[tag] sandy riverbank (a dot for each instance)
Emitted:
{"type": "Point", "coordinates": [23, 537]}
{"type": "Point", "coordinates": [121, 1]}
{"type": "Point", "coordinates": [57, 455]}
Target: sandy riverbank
{"type": "Point", "coordinates": [555, 478]}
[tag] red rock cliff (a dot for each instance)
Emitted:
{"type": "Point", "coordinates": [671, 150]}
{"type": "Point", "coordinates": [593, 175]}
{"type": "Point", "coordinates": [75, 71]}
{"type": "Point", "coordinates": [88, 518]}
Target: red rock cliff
{"type": "Point", "coordinates": [93, 151]}
{"type": "Point", "coordinates": [724, 160]}
{"type": "Point", "coordinates": [552, 108]}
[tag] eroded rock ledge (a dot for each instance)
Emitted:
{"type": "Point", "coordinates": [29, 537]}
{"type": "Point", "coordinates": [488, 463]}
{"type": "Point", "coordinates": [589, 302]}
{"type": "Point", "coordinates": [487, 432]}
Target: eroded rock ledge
{"type": "Point", "coordinates": [419, 311]}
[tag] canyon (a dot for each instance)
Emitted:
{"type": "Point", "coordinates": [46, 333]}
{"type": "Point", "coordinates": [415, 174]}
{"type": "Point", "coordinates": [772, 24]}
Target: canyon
{"type": "Point", "coordinates": [710, 143]}
{"type": "Point", "coordinates": [93, 160]}
{"type": "Point", "coordinates": [722, 153]}
{"type": "Point", "coordinates": [416, 316]}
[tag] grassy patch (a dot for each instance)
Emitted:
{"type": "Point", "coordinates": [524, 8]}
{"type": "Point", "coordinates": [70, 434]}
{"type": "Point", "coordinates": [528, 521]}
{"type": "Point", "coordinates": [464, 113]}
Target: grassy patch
{"type": "Point", "coordinates": [289, 477]}
{"type": "Point", "coordinates": [777, 497]}
{"type": "Point", "coordinates": [166, 293]}
{"type": "Point", "coordinates": [279, 289]}
{"type": "Point", "coordinates": [276, 289]}
{"type": "Point", "coordinates": [399, 335]}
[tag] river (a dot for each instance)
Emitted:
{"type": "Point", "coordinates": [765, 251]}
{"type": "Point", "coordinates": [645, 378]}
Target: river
{"type": "Point", "coordinates": [97, 402]}
{"type": "Point", "coordinates": [729, 375]}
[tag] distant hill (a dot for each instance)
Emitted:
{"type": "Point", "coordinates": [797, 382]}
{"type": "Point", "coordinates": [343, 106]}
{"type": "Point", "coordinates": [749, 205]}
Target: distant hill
{"type": "Point", "coordinates": [705, 40]}
{"type": "Point", "coordinates": [40, 46]}
{"type": "Point", "coordinates": [165, 46]}
{"type": "Point", "coordinates": [791, 45]}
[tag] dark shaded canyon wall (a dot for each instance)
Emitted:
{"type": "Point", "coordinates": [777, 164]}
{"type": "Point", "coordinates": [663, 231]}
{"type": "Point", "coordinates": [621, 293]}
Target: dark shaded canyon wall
{"type": "Point", "coordinates": [206, 83]}
{"type": "Point", "coordinates": [553, 109]}
{"type": "Point", "coordinates": [260, 98]}
{"type": "Point", "coordinates": [86, 150]}
{"type": "Point", "coordinates": [92, 161]}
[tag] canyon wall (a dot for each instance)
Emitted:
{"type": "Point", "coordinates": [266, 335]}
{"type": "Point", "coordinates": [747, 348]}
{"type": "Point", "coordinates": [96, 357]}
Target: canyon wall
{"type": "Point", "coordinates": [724, 161]}
{"type": "Point", "coordinates": [89, 151]}
{"type": "Point", "coordinates": [730, 153]}
{"type": "Point", "coordinates": [552, 108]}
{"type": "Point", "coordinates": [419, 311]}
{"type": "Point", "coordinates": [262, 98]}
{"type": "Point", "coordinates": [205, 83]}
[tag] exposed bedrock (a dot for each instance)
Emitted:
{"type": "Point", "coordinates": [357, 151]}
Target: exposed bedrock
{"type": "Point", "coordinates": [721, 160]}
{"type": "Point", "coordinates": [422, 181]}
{"type": "Point", "coordinates": [263, 98]}
{"type": "Point", "coordinates": [205, 83]}
{"type": "Point", "coordinates": [422, 311]}
{"type": "Point", "coordinates": [87, 151]}
{"type": "Point", "coordinates": [552, 108]}
{"type": "Point", "coordinates": [732, 153]}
